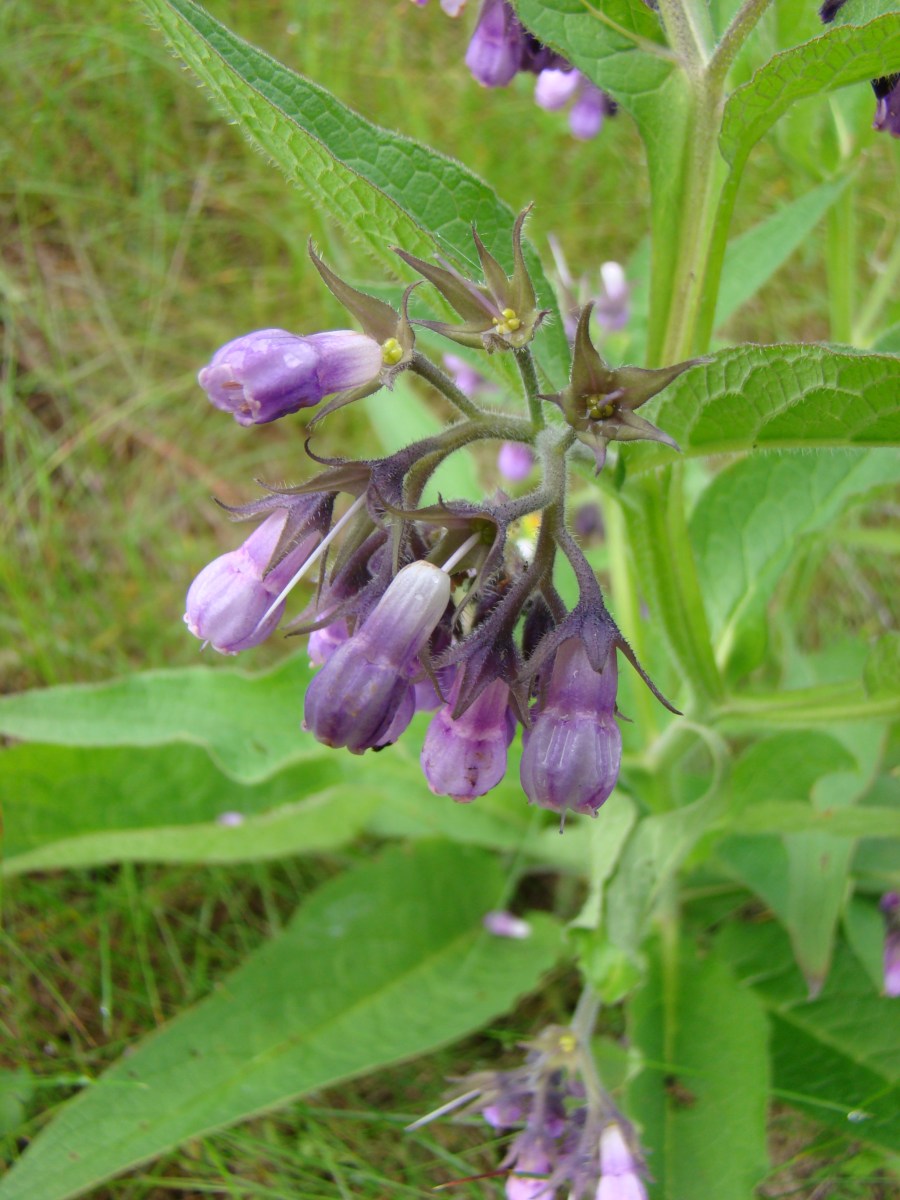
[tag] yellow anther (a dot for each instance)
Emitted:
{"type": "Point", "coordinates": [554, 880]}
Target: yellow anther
{"type": "Point", "coordinates": [531, 523]}
{"type": "Point", "coordinates": [391, 352]}
{"type": "Point", "coordinates": [568, 1043]}
{"type": "Point", "coordinates": [510, 314]}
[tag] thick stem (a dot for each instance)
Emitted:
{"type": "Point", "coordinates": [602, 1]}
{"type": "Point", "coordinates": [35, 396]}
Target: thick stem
{"type": "Point", "coordinates": [439, 379]}
{"type": "Point", "coordinates": [688, 31]}
{"type": "Point", "coordinates": [525, 363]}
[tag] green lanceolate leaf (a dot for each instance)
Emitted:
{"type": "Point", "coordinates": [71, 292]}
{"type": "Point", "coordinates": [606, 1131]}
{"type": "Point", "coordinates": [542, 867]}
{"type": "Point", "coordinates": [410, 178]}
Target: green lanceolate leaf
{"type": "Point", "coordinates": [754, 257]}
{"type": "Point", "coordinates": [785, 397]}
{"type": "Point", "coordinates": [385, 962]}
{"type": "Point", "coordinates": [71, 807]}
{"type": "Point", "coordinates": [383, 188]}
{"type": "Point", "coordinates": [842, 55]}
{"type": "Point", "coordinates": [249, 724]}
{"type": "Point", "coordinates": [748, 523]}
{"type": "Point", "coordinates": [701, 1096]}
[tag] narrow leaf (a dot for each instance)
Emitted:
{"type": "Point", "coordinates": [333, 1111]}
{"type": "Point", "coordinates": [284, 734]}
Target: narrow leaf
{"type": "Point", "coordinates": [345, 989]}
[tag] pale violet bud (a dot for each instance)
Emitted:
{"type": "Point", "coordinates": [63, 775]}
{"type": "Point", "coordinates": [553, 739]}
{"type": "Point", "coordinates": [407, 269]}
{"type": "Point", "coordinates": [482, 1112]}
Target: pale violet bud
{"type": "Point", "coordinates": [572, 752]}
{"type": "Point", "coordinates": [355, 698]}
{"type": "Point", "coordinates": [466, 757]}
{"type": "Point", "coordinates": [504, 924]}
{"type": "Point", "coordinates": [587, 113]}
{"type": "Point", "coordinates": [554, 88]}
{"type": "Point", "coordinates": [619, 1169]}
{"type": "Point", "coordinates": [227, 603]}
{"type": "Point", "coordinates": [611, 306]}
{"type": "Point", "coordinates": [495, 51]}
{"type": "Point", "coordinates": [270, 373]}
{"type": "Point", "coordinates": [515, 461]}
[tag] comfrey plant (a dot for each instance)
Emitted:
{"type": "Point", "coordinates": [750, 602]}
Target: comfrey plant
{"type": "Point", "coordinates": [548, 449]}
{"type": "Point", "coordinates": [437, 606]}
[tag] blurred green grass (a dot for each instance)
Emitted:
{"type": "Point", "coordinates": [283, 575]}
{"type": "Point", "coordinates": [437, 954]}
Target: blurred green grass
{"type": "Point", "coordinates": [138, 233]}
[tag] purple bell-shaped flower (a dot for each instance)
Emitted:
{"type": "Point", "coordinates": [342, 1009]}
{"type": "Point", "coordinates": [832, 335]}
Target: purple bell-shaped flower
{"type": "Point", "coordinates": [466, 757]}
{"type": "Point", "coordinates": [573, 749]}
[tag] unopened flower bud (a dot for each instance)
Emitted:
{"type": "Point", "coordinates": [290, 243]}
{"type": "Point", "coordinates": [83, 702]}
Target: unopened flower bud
{"type": "Point", "coordinates": [270, 373]}
{"type": "Point", "coordinates": [573, 750]}
{"type": "Point", "coordinates": [619, 1178]}
{"type": "Point", "coordinates": [355, 698]}
{"type": "Point", "coordinates": [588, 112]}
{"type": "Point", "coordinates": [495, 50]}
{"type": "Point", "coordinates": [227, 602]}
{"type": "Point", "coordinates": [466, 757]}
{"type": "Point", "coordinates": [554, 88]}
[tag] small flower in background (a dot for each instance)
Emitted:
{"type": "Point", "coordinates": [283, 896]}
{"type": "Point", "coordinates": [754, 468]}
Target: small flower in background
{"type": "Point", "coordinates": [890, 907]}
{"type": "Point", "coordinates": [609, 295]}
{"type": "Point", "coordinates": [227, 603]}
{"type": "Point", "coordinates": [271, 373]}
{"type": "Point", "coordinates": [887, 110]}
{"type": "Point", "coordinates": [504, 924]}
{"type": "Point", "coordinates": [466, 378]}
{"type": "Point", "coordinates": [230, 820]}
{"type": "Point", "coordinates": [451, 7]}
{"type": "Point", "coordinates": [588, 521]}
{"type": "Point", "coordinates": [515, 461]}
{"type": "Point", "coordinates": [611, 301]}
{"type": "Point", "coordinates": [558, 86]}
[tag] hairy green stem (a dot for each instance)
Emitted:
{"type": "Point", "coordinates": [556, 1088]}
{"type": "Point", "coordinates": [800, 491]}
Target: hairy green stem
{"type": "Point", "coordinates": [439, 379]}
{"type": "Point", "coordinates": [688, 31]}
{"type": "Point", "coordinates": [742, 25]}
{"type": "Point", "coordinates": [527, 370]}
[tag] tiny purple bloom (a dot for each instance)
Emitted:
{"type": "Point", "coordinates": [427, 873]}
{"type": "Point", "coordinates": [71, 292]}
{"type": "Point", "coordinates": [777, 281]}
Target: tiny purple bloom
{"type": "Point", "coordinates": [466, 757]}
{"type": "Point", "coordinates": [587, 113]}
{"type": "Point", "coordinates": [515, 461]}
{"type": "Point", "coordinates": [573, 749]}
{"type": "Point", "coordinates": [504, 924]}
{"type": "Point", "coordinates": [495, 51]}
{"type": "Point", "coordinates": [554, 88]}
{"type": "Point", "coordinates": [466, 378]}
{"type": "Point", "coordinates": [230, 820]}
{"type": "Point", "coordinates": [270, 373]}
{"type": "Point", "coordinates": [362, 693]}
{"type": "Point", "coordinates": [887, 110]}
{"type": "Point", "coordinates": [890, 906]}
{"type": "Point", "coordinates": [227, 602]}
{"type": "Point", "coordinates": [611, 305]}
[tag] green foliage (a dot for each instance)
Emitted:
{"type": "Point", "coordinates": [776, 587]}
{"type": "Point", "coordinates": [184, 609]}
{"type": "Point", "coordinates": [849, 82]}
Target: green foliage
{"type": "Point", "coordinates": [337, 994]}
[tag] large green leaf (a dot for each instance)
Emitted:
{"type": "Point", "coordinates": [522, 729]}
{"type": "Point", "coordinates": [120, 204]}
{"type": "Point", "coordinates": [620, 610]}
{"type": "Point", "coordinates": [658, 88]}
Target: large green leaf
{"type": "Point", "coordinates": [73, 807]}
{"type": "Point", "coordinates": [842, 55]}
{"type": "Point", "coordinates": [383, 188]}
{"type": "Point", "coordinates": [747, 525]}
{"type": "Point", "coordinates": [382, 963]}
{"type": "Point", "coordinates": [249, 724]}
{"type": "Point", "coordinates": [781, 397]}
{"type": "Point", "coordinates": [701, 1095]}
{"type": "Point", "coordinates": [836, 1057]}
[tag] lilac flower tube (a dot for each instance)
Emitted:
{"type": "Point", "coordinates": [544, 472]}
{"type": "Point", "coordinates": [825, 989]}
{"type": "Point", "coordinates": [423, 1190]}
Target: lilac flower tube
{"type": "Point", "coordinates": [362, 697]}
{"type": "Point", "coordinates": [228, 600]}
{"type": "Point", "coordinates": [495, 51]}
{"type": "Point", "coordinates": [466, 757]}
{"type": "Point", "coordinates": [619, 1177]}
{"type": "Point", "coordinates": [270, 373]}
{"type": "Point", "coordinates": [573, 749]}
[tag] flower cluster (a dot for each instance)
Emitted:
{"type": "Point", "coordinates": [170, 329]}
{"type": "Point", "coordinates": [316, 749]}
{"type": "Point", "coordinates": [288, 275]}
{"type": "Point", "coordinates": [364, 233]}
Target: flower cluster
{"type": "Point", "coordinates": [501, 48]}
{"type": "Point", "coordinates": [569, 1133]}
{"type": "Point", "coordinates": [446, 607]}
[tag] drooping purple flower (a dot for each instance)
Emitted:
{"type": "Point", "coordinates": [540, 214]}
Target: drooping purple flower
{"type": "Point", "coordinates": [495, 51]}
{"type": "Point", "coordinates": [620, 1177]}
{"type": "Point", "coordinates": [530, 1166]}
{"type": "Point", "coordinates": [890, 907]}
{"type": "Point", "coordinates": [227, 603]}
{"type": "Point", "coordinates": [357, 695]}
{"type": "Point", "coordinates": [270, 373]}
{"type": "Point", "coordinates": [466, 757]}
{"type": "Point", "coordinates": [573, 749]}
{"type": "Point", "coordinates": [515, 461]}
{"type": "Point", "coordinates": [887, 110]}
{"type": "Point", "coordinates": [555, 87]}
{"type": "Point", "coordinates": [505, 924]}
{"type": "Point", "coordinates": [588, 111]}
